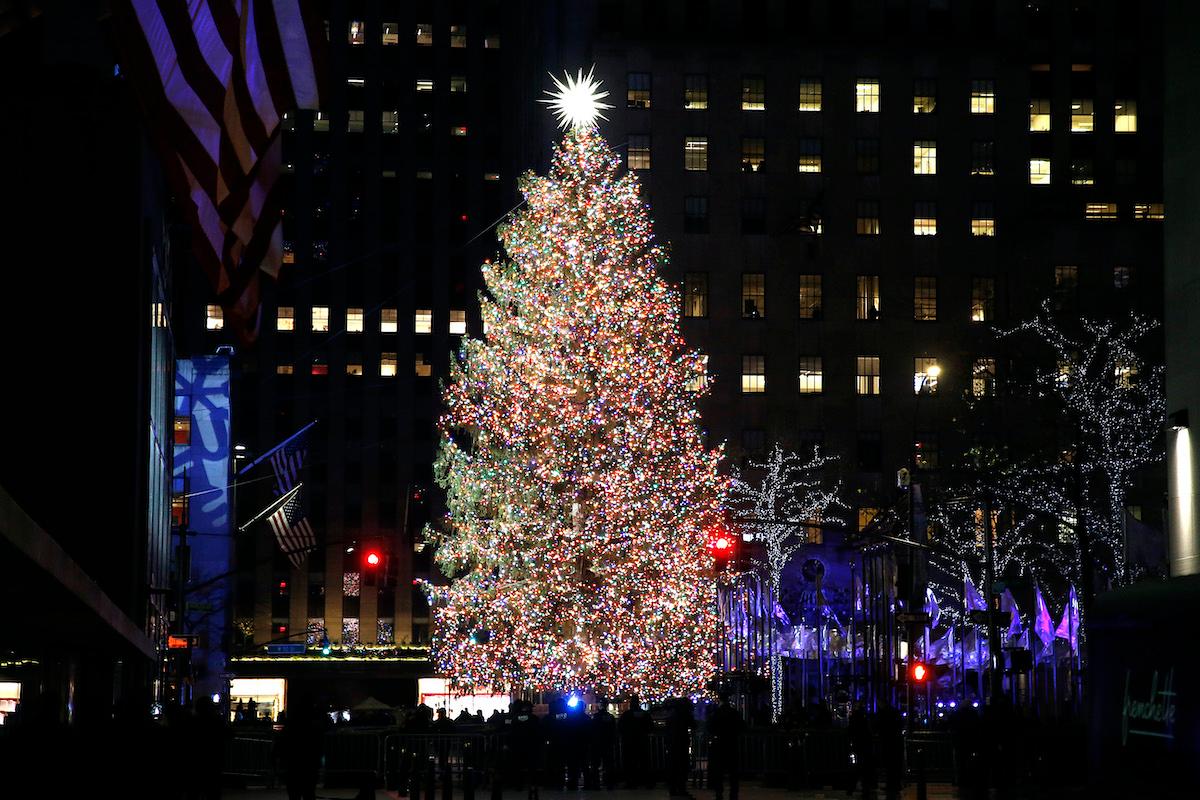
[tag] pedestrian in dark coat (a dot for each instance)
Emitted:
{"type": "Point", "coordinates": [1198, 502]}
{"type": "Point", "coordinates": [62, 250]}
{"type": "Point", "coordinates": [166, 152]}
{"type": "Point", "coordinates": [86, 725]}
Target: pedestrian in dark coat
{"type": "Point", "coordinates": [634, 729]}
{"type": "Point", "coordinates": [679, 746]}
{"type": "Point", "coordinates": [300, 745]}
{"type": "Point", "coordinates": [724, 745]}
{"type": "Point", "coordinates": [862, 749]}
{"type": "Point", "coordinates": [602, 747]}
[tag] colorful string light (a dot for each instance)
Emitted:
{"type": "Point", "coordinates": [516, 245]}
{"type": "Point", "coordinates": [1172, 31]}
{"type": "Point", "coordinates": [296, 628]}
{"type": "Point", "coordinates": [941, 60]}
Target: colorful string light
{"type": "Point", "coordinates": [578, 484]}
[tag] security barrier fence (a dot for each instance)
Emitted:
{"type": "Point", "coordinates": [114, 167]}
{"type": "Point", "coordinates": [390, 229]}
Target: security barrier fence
{"type": "Point", "coordinates": [482, 760]}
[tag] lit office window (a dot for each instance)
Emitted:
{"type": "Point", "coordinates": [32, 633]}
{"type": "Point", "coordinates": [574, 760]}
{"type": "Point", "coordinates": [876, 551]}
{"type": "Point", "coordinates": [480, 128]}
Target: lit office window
{"type": "Point", "coordinates": [695, 92]}
{"type": "Point", "coordinates": [1082, 172]}
{"type": "Point", "coordinates": [423, 321]}
{"type": "Point", "coordinates": [1125, 116]}
{"type": "Point", "coordinates": [357, 33]}
{"type": "Point", "coordinates": [925, 298]}
{"type": "Point", "coordinates": [924, 158]}
{"type": "Point", "coordinates": [1148, 211]}
{"type": "Point", "coordinates": [867, 306]}
{"type": "Point", "coordinates": [983, 219]}
{"type": "Point", "coordinates": [214, 318]}
{"type": "Point", "coordinates": [637, 94]}
{"type": "Point", "coordinates": [424, 34]}
{"type": "Point", "coordinates": [810, 155]}
{"type": "Point", "coordinates": [1062, 376]}
{"type": "Point", "coordinates": [458, 323]}
{"type": "Point", "coordinates": [695, 294]}
{"type": "Point", "coordinates": [285, 319]}
{"type": "Point", "coordinates": [982, 158]}
{"type": "Point", "coordinates": [810, 375]}
{"type": "Point", "coordinates": [1039, 171]}
{"type": "Point", "coordinates": [391, 33]}
{"type": "Point", "coordinates": [924, 96]}
{"type": "Point", "coordinates": [810, 94]}
{"type": "Point", "coordinates": [1124, 374]}
{"type": "Point", "coordinates": [754, 93]}
{"type": "Point", "coordinates": [424, 84]}
{"type": "Point", "coordinates": [695, 215]}
{"type": "Point", "coordinates": [983, 299]}
{"type": "Point", "coordinates": [866, 375]}
{"type": "Point", "coordinates": [458, 84]}
{"type": "Point", "coordinates": [354, 320]}
{"type": "Point", "coordinates": [1039, 115]}
{"type": "Point", "coordinates": [639, 151]}
{"type": "Point", "coordinates": [390, 122]}
{"type": "Point", "coordinates": [867, 221]}
{"type": "Point", "coordinates": [458, 36]}
{"type": "Point", "coordinates": [1082, 116]}
{"type": "Point", "coordinates": [753, 154]}
{"type": "Point", "coordinates": [388, 320]}
{"type": "Point", "coordinates": [865, 517]}
{"type": "Point", "coordinates": [699, 381]}
{"type": "Point", "coordinates": [983, 377]}
{"type": "Point", "coordinates": [319, 367]}
{"type": "Point", "coordinates": [753, 295]}
{"type": "Point", "coordinates": [925, 375]}
{"type": "Point", "coordinates": [320, 319]}
{"type": "Point", "coordinates": [354, 368]}
{"type": "Point", "coordinates": [422, 368]}
{"type": "Point", "coordinates": [284, 369]}
{"type": "Point", "coordinates": [387, 365]}
{"type": "Point", "coordinates": [754, 374]}
{"type": "Point", "coordinates": [354, 120]}
{"type": "Point", "coordinates": [983, 97]}
{"type": "Point", "coordinates": [695, 153]}
{"type": "Point", "coordinates": [810, 297]}
{"type": "Point", "coordinates": [925, 219]}
{"type": "Point", "coordinates": [866, 96]}
{"type": "Point", "coordinates": [1100, 211]}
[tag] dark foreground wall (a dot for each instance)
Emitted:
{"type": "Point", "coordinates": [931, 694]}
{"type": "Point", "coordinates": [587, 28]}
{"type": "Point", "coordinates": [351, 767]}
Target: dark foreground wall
{"type": "Point", "coordinates": [1144, 691]}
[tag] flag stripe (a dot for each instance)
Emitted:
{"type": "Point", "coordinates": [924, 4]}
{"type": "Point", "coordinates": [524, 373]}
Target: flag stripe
{"type": "Point", "coordinates": [216, 77]}
{"type": "Point", "coordinates": [296, 52]}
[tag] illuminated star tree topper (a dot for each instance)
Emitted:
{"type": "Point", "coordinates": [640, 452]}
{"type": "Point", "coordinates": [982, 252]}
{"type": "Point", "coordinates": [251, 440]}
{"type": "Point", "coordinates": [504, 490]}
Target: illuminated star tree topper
{"type": "Point", "coordinates": [577, 103]}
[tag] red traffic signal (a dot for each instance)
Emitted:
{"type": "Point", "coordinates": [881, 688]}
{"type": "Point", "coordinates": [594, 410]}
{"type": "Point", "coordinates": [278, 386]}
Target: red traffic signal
{"type": "Point", "coordinates": [722, 544]}
{"type": "Point", "coordinates": [372, 558]}
{"type": "Point", "coordinates": [918, 672]}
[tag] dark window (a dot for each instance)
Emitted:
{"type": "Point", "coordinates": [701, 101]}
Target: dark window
{"type": "Point", "coordinates": [867, 156]}
{"type": "Point", "coordinates": [754, 215]}
{"type": "Point", "coordinates": [982, 158]}
{"type": "Point", "coordinates": [638, 94]}
{"type": "Point", "coordinates": [870, 451]}
{"type": "Point", "coordinates": [695, 214]}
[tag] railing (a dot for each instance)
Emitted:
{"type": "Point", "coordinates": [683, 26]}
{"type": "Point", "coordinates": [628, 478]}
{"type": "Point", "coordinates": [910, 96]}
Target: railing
{"type": "Point", "coordinates": [415, 762]}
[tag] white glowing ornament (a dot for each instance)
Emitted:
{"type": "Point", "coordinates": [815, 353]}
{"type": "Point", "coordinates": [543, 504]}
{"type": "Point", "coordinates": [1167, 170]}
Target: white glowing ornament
{"type": "Point", "coordinates": [576, 103]}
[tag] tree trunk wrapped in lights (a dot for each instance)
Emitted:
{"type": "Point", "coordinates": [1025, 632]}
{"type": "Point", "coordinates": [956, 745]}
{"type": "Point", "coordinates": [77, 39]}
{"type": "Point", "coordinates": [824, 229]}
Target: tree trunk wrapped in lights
{"type": "Point", "coordinates": [578, 484]}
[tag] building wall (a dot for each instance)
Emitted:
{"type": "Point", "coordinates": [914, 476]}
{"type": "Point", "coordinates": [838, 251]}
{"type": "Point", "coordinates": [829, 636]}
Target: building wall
{"type": "Point", "coordinates": [202, 449]}
{"type": "Point", "coordinates": [948, 51]}
{"type": "Point", "coordinates": [395, 192]}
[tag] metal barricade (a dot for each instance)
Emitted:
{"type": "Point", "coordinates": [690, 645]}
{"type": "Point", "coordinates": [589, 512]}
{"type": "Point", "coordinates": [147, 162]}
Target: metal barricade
{"type": "Point", "coordinates": [250, 757]}
{"type": "Point", "coordinates": [936, 757]}
{"type": "Point", "coordinates": [353, 753]}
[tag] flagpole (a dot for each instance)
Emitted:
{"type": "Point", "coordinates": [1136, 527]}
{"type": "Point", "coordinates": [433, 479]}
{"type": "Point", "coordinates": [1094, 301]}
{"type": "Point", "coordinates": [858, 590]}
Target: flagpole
{"type": "Point", "coordinates": [271, 452]}
{"type": "Point", "coordinates": [272, 506]}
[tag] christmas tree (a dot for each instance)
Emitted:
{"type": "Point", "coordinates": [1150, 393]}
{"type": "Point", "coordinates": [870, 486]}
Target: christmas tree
{"type": "Point", "coordinates": [578, 485]}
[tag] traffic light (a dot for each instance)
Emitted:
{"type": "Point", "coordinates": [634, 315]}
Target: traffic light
{"type": "Point", "coordinates": [374, 563]}
{"type": "Point", "coordinates": [373, 558]}
{"type": "Point", "coordinates": [722, 545]}
{"type": "Point", "coordinates": [918, 672]}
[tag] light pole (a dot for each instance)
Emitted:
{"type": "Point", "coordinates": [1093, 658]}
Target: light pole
{"type": "Point", "coordinates": [921, 555]}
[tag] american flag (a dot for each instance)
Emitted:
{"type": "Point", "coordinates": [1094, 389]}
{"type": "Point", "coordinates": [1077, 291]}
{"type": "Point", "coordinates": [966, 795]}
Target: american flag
{"type": "Point", "coordinates": [292, 531]}
{"type": "Point", "coordinates": [216, 78]}
{"type": "Point", "coordinates": [286, 461]}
